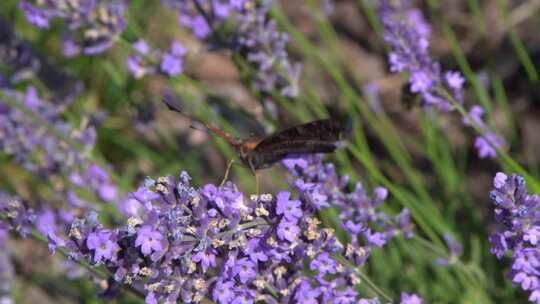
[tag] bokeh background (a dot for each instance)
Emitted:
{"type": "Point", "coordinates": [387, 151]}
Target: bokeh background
{"type": "Point", "coordinates": [425, 158]}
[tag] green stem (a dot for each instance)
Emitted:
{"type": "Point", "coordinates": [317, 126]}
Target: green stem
{"type": "Point", "coordinates": [340, 258]}
{"type": "Point", "coordinates": [503, 156]}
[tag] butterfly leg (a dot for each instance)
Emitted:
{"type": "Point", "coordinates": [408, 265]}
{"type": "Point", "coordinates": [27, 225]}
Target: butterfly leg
{"type": "Point", "coordinates": [257, 182]}
{"type": "Point", "coordinates": [229, 164]}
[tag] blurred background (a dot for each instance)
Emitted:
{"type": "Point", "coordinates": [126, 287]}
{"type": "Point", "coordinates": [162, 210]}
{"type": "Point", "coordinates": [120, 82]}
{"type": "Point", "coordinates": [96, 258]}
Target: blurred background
{"type": "Point", "coordinates": [426, 158]}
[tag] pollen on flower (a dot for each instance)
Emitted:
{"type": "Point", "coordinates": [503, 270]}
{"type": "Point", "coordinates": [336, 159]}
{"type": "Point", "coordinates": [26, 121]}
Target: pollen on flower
{"type": "Point", "coordinates": [169, 288]}
{"type": "Point", "coordinates": [223, 223]}
{"type": "Point", "coordinates": [280, 271]}
{"type": "Point", "coordinates": [199, 284]}
{"type": "Point", "coordinates": [254, 232]}
{"type": "Point", "coordinates": [134, 221]}
{"type": "Point", "coordinates": [259, 283]}
{"type": "Point", "coordinates": [261, 211]}
{"type": "Point", "coordinates": [76, 233]}
{"type": "Point", "coordinates": [217, 243]}
{"type": "Point", "coordinates": [195, 201]}
{"type": "Point", "coordinates": [267, 197]}
{"type": "Point", "coordinates": [145, 271]}
{"type": "Point", "coordinates": [153, 287]}
{"type": "Point", "coordinates": [210, 248]}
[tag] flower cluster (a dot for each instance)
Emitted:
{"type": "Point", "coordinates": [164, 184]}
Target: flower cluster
{"type": "Point", "coordinates": [407, 33]}
{"type": "Point", "coordinates": [147, 60]}
{"type": "Point", "coordinates": [182, 243]}
{"type": "Point", "coordinates": [92, 26]}
{"type": "Point", "coordinates": [16, 57]}
{"type": "Point", "coordinates": [518, 211]}
{"type": "Point", "coordinates": [14, 215]}
{"type": "Point", "coordinates": [33, 146]}
{"type": "Point", "coordinates": [245, 27]}
{"type": "Point", "coordinates": [487, 143]}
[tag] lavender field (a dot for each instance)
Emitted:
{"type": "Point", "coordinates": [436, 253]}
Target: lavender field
{"type": "Point", "coordinates": [269, 151]}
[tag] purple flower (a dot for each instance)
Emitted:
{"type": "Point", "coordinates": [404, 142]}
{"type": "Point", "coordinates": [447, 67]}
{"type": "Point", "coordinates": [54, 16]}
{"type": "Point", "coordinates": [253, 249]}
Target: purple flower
{"type": "Point", "coordinates": [518, 212]}
{"type": "Point", "coordinates": [291, 209]}
{"type": "Point", "coordinates": [54, 242]}
{"type": "Point", "coordinates": [223, 292]}
{"type": "Point", "coordinates": [454, 80]}
{"type": "Point", "coordinates": [307, 294]}
{"type": "Point", "coordinates": [527, 282]}
{"type": "Point", "coordinates": [255, 252]}
{"type": "Point", "coordinates": [420, 82]}
{"type": "Point", "coordinates": [206, 259]}
{"type": "Point", "coordinates": [200, 27]}
{"type": "Point", "coordinates": [130, 207]}
{"type": "Point", "coordinates": [247, 28]}
{"type": "Point", "coordinates": [288, 231]}
{"type": "Point", "coordinates": [532, 235]}
{"type": "Point", "coordinates": [104, 248]}
{"type": "Point", "coordinates": [500, 180]}
{"type": "Point", "coordinates": [37, 17]}
{"type": "Point", "coordinates": [149, 240]}
{"type": "Point", "coordinates": [535, 296]}
{"type": "Point", "coordinates": [142, 47]}
{"type": "Point", "coordinates": [193, 243]}
{"type": "Point", "coordinates": [92, 25]}
{"type": "Point", "coordinates": [378, 239]}
{"type": "Point", "coordinates": [46, 222]}
{"type": "Point", "coordinates": [410, 299]}
{"type": "Point", "coordinates": [407, 34]}
{"type": "Point", "coordinates": [19, 218]}
{"type": "Point", "coordinates": [171, 63]}
{"type": "Point", "coordinates": [324, 264]}
{"type": "Point", "coordinates": [245, 270]}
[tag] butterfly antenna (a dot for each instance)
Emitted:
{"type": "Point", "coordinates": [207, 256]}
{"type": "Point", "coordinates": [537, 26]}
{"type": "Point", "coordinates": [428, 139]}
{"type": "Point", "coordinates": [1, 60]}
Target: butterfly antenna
{"type": "Point", "coordinates": [207, 128]}
{"type": "Point", "coordinates": [176, 108]}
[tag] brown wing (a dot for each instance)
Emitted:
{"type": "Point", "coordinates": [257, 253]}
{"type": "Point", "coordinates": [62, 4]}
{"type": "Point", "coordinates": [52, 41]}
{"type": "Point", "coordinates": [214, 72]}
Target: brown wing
{"type": "Point", "coordinates": [266, 158]}
{"type": "Point", "coordinates": [320, 136]}
{"type": "Point", "coordinates": [324, 130]}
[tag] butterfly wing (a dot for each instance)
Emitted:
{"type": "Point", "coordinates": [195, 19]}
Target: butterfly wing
{"type": "Point", "coordinates": [320, 136]}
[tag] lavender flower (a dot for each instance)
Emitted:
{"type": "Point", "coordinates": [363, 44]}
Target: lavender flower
{"type": "Point", "coordinates": [171, 63]}
{"type": "Point", "coordinates": [410, 299]}
{"type": "Point", "coordinates": [244, 26]}
{"type": "Point", "coordinates": [14, 216]}
{"type": "Point", "coordinates": [487, 143]}
{"type": "Point", "coordinates": [139, 64]}
{"type": "Point", "coordinates": [35, 148]}
{"type": "Point", "coordinates": [407, 33]}
{"type": "Point", "coordinates": [91, 26]}
{"type": "Point", "coordinates": [182, 243]}
{"type": "Point", "coordinates": [455, 249]}
{"type": "Point", "coordinates": [147, 61]}
{"type": "Point", "coordinates": [518, 212]}
{"type": "Point", "coordinates": [104, 248]}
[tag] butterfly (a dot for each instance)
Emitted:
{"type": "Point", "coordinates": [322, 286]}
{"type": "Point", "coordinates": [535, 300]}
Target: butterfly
{"type": "Point", "coordinates": [319, 136]}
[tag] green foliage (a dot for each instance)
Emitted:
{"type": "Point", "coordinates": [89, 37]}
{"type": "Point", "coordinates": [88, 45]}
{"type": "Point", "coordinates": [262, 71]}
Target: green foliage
{"type": "Point", "coordinates": [436, 188]}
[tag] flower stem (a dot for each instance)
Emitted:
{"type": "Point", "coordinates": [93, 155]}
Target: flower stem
{"type": "Point", "coordinates": [503, 156]}
{"type": "Point", "coordinates": [340, 258]}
